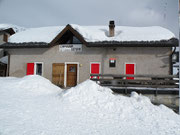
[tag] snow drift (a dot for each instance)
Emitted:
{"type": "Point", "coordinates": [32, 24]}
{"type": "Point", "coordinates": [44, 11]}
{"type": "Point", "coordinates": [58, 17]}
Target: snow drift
{"type": "Point", "coordinates": [32, 84]}
{"type": "Point", "coordinates": [33, 105]}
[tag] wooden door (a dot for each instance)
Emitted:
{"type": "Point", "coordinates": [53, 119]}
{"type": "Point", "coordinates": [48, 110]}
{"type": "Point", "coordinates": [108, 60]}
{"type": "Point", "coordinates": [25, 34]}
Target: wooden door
{"type": "Point", "coordinates": [71, 75]}
{"type": "Point", "coordinates": [95, 69]}
{"type": "Point", "coordinates": [58, 74]}
{"type": "Point", "coordinates": [130, 69]}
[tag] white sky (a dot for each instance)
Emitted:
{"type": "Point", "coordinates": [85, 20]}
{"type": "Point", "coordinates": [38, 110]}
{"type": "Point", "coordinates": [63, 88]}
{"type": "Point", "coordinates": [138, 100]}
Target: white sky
{"type": "Point", "coordinates": [38, 13]}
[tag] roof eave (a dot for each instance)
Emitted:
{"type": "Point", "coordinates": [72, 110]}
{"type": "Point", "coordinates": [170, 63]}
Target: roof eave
{"type": "Point", "coordinates": [173, 42]}
{"type": "Point", "coordinates": [25, 45]}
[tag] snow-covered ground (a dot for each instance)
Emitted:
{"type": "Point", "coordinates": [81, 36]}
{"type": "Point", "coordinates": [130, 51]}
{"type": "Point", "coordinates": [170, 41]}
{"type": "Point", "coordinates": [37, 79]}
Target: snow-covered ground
{"type": "Point", "coordinates": [34, 106]}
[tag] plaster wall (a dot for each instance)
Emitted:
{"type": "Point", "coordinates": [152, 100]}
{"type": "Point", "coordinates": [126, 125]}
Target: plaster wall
{"type": "Point", "coordinates": [148, 60]}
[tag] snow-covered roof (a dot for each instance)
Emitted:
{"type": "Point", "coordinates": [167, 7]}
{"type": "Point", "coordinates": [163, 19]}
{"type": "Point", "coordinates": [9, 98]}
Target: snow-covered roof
{"type": "Point", "coordinates": [42, 34]}
{"type": "Point", "coordinates": [124, 33]}
{"type": "Point", "coordinates": [94, 34]}
{"type": "Point", "coordinates": [14, 27]}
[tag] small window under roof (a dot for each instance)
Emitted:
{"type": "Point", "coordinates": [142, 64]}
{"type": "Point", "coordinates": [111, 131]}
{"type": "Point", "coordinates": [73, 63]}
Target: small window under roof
{"type": "Point", "coordinates": [75, 40]}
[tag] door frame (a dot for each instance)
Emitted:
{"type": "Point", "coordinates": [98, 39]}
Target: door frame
{"type": "Point", "coordinates": [65, 72]}
{"type": "Point", "coordinates": [129, 63]}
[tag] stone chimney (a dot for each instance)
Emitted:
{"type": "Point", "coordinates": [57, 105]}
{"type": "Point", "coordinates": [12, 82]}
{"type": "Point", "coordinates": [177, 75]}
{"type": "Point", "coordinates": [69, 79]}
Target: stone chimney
{"type": "Point", "coordinates": [111, 29]}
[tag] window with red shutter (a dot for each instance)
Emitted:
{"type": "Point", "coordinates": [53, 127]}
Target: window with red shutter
{"type": "Point", "coordinates": [30, 69]}
{"type": "Point", "coordinates": [95, 69]}
{"type": "Point", "coordinates": [130, 69]}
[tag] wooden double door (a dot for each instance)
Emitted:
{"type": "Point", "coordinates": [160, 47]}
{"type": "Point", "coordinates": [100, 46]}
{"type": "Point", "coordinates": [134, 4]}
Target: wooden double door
{"type": "Point", "coordinates": [58, 74]}
{"type": "Point", "coordinates": [71, 75]}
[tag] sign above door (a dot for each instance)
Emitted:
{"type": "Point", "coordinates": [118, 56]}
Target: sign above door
{"type": "Point", "coordinates": [70, 48]}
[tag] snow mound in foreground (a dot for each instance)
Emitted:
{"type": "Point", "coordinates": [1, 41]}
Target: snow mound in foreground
{"type": "Point", "coordinates": [136, 109]}
{"type": "Point", "coordinates": [32, 105]}
{"type": "Point", "coordinates": [91, 94]}
{"type": "Point", "coordinates": [32, 83]}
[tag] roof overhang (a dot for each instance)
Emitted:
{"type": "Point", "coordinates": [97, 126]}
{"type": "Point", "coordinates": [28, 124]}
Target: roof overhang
{"type": "Point", "coordinates": [25, 45]}
{"type": "Point", "coordinates": [163, 43]}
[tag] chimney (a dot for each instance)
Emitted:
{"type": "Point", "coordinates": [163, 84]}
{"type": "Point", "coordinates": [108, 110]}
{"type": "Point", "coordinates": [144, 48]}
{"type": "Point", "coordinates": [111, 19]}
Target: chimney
{"type": "Point", "coordinates": [111, 29]}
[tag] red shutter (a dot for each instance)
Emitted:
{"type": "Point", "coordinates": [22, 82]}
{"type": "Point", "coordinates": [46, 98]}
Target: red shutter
{"type": "Point", "coordinates": [30, 69]}
{"type": "Point", "coordinates": [95, 69]}
{"type": "Point", "coordinates": [130, 70]}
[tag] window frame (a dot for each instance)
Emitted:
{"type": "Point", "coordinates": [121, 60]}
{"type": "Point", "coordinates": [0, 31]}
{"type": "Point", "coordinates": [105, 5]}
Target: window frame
{"type": "Point", "coordinates": [35, 66]}
{"type": "Point", "coordinates": [112, 63]}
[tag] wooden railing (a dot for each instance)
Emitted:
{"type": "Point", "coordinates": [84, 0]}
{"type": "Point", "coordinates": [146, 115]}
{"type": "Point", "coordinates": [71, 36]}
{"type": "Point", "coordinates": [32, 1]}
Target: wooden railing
{"type": "Point", "coordinates": [149, 81]}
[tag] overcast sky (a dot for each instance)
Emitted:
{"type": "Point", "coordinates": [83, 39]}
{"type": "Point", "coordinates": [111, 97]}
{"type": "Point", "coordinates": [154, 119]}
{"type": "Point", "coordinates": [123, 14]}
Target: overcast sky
{"type": "Point", "coordinates": [38, 13]}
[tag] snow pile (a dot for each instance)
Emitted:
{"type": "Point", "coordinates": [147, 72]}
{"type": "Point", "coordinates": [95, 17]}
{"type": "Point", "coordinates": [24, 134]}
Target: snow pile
{"type": "Point", "coordinates": [32, 105]}
{"type": "Point", "coordinates": [33, 84]}
{"type": "Point", "coordinates": [14, 27]}
{"type": "Point", "coordinates": [123, 33]}
{"type": "Point", "coordinates": [43, 34]}
{"type": "Point", "coordinates": [120, 114]}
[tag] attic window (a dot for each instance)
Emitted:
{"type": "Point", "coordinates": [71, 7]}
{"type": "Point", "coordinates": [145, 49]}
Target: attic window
{"type": "Point", "coordinates": [5, 38]}
{"type": "Point", "coordinates": [73, 40]}
{"type": "Point", "coordinates": [76, 41]}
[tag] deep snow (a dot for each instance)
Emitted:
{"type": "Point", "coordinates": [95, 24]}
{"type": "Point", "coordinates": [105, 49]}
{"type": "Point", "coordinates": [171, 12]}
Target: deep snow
{"type": "Point", "coordinates": [34, 106]}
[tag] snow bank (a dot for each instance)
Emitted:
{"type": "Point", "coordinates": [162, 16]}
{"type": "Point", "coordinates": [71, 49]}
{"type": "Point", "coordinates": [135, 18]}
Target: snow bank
{"type": "Point", "coordinates": [33, 84]}
{"type": "Point", "coordinates": [43, 34]}
{"type": "Point", "coordinates": [85, 109]}
{"type": "Point", "coordinates": [123, 33]}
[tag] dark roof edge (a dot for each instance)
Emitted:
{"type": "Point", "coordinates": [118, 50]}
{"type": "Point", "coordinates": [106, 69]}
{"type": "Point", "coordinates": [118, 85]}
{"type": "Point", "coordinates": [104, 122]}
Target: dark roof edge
{"type": "Point", "coordinates": [25, 45]}
{"type": "Point", "coordinates": [173, 42]}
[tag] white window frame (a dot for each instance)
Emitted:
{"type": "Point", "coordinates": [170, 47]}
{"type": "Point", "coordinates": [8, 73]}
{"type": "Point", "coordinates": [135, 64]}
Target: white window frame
{"type": "Point", "coordinates": [65, 72]}
{"type": "Point", "coordinates": [35, 67]}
